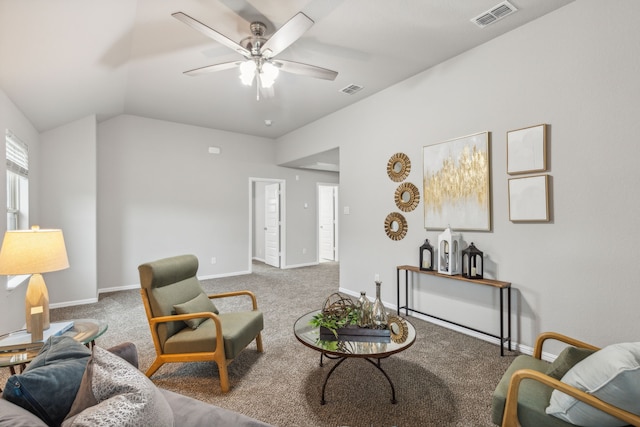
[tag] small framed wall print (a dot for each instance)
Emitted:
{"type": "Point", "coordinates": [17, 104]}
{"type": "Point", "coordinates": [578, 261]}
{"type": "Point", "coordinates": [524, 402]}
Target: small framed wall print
{"type": "Point", "coordinates": [527, 150]}
{"type": "Point", "coordinates": [529, 198]}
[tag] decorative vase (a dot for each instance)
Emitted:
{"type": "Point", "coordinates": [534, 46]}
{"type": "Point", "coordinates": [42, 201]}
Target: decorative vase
{"type": "Point", "coordinates": [378, 312]}
{"type": "Point", "coordinates": [364, 310]}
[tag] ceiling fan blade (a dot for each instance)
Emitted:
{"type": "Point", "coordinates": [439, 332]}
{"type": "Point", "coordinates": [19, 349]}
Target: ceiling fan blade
{"type": "Point", "coordinates": [210, 32]}
{"type": "Point", "coordinates": [291, 31]}
{"type": "Point", "coordinates": [212, 68]}
{"type": "Point", "coordinates": [305, 69]}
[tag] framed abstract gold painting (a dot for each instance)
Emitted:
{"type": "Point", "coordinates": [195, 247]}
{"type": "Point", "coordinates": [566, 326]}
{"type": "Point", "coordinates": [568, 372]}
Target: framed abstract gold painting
{"type": "Point", "coordinates": [456, 181]}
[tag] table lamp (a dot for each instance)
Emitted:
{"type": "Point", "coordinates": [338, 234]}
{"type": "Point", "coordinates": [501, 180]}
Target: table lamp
{"type": "Point", "coordinates": [34, 252]}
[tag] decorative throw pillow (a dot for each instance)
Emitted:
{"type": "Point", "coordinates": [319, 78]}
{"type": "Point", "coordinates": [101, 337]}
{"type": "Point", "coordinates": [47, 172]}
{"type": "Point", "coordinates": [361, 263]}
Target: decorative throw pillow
{"type": "Point", "coordinates": [611, 374]}
{"type": "Point", "coordinates": [49, 384]}
{"type": "Point", "coordinates": [566, 360]}
{"type": "Point", "coordinates": [199, 304]}
{"type": "Point", "coordinates": [115, 393]}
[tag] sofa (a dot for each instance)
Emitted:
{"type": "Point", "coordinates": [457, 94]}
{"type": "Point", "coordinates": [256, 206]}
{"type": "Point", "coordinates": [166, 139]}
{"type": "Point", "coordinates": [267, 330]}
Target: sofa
{"type": "Point", "coordinates": [68, 384]}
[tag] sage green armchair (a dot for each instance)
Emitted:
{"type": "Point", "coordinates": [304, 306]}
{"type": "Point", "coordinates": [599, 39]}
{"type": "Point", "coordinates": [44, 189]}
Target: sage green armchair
{"type": "Point", "coordinates": [185, 324]}
{"type": "Point", "coordinates": [525, 390]}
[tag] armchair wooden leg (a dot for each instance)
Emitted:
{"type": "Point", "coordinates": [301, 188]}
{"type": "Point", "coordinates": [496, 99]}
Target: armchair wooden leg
{"type": "Point", "coordinates": [224, 375]}
{"type": "Point", "coordinates": [154, 367]}
{"type": "Point", "coordinates": [259, 342]}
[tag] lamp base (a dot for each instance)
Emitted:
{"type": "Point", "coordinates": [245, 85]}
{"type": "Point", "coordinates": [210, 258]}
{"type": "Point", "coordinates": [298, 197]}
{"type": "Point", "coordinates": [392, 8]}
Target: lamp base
{"type": "Point", "coordinates": [37, 296]}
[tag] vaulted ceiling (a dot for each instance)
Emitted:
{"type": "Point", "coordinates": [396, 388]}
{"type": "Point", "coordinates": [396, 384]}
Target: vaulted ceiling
{"type": "Point", "coordinates": [61, 60]}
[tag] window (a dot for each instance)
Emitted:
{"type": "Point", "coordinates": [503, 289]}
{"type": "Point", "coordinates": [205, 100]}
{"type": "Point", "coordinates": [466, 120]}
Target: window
{"type": "Point", "coordinates": [17, 157]}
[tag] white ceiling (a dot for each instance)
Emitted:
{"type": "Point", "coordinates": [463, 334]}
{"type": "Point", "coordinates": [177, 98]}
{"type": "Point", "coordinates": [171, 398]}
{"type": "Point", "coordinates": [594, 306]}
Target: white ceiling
{"type": "Point", "coordinates": [62, 60]}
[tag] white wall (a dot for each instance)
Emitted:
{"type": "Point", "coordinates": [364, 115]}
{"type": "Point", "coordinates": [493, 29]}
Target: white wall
{"type": "Point", "coordinates": [575, 69]}
{"type": "Point", "coordinates": [68, 200]}
{"type": "Point", "coordinates": [12, 302]}
{"type": "Point", "coordinates": [161, 194]}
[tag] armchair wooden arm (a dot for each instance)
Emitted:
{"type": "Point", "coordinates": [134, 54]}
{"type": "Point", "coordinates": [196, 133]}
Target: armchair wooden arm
{"type": "Point", "coordinates": [254, 301]}
{"type": "Point", "coordinates": [537, 350]}
{"type": "Point", "coordinates": [154, 321]}
{"type": "Point", "coordinates": [510, 418]}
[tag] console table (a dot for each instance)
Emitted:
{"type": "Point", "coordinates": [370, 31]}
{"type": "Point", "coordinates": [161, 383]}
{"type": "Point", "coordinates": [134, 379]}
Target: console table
{"type": "Point", "coordinates": [496, 284]}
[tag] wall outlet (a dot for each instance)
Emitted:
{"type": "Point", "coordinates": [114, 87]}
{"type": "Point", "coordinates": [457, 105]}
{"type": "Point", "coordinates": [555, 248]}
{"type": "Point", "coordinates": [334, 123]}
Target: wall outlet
{"type": "Point", "coordinates": [213, 260]}
{"type": "Point", "coordinates": [304, 251]}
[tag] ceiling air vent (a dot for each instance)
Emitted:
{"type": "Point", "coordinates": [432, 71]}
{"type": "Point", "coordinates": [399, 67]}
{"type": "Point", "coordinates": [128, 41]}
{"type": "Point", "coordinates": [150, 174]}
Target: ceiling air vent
{"type": "Point", "coordinates": [351, 89]}
{"type": "Point", "coordinates": [494, 14]}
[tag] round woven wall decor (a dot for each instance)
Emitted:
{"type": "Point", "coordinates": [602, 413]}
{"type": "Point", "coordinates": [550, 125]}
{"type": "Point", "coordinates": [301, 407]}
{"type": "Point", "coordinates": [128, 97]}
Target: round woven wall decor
{"type": "Point", "coordinates": [395, 225]}
{"type": "Point", "coordinates": [407, 197]}
{"type": "Point", "coordinates": [398, 167]}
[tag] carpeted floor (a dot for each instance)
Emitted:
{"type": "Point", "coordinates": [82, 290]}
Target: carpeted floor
{"type": "Point", "coordinates": [444, 379]}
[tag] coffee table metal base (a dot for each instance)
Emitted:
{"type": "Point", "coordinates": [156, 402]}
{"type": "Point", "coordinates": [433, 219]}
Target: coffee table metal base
{"type": "Point", "coordinates": [342, 359]}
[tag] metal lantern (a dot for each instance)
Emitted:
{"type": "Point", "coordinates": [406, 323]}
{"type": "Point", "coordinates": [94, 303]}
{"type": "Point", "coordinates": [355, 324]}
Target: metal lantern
{"type": "Point", "coordinates": [449, 252]}
{"type": "Point", "coordinates": [426, 256]}
{"type": "Point", "coordinates": [472, 262]}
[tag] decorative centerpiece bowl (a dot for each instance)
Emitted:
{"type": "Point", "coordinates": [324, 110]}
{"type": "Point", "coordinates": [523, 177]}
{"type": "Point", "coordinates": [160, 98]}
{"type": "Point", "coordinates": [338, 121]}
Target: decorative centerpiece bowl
{"type": "Point", "coordinates": [338, 320]}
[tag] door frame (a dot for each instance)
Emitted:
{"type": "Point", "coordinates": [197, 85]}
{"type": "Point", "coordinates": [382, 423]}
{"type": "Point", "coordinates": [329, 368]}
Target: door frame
{"type": "Point", "coordinates": [283, 222]}
{"type": "Point", "coordinates": [336, 235]}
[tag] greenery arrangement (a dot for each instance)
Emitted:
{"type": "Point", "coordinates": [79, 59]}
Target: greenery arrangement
{"type": "Point", "coordinates": [334, 321]}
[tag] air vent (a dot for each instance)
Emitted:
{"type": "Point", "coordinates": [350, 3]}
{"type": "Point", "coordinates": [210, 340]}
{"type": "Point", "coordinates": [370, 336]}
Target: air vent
{"type": "Point", "coordinates": [351, 89]}
{"type": "Point", "coordinates": [494, 14]}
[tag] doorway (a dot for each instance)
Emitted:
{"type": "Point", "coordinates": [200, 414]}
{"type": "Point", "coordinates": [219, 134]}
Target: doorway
{"type": "Point", "coordinates": [327, 222]}
{"type": "Point", "coordinates": [267, 222]}
{"type": "Point", "coordinates": [272, 224]}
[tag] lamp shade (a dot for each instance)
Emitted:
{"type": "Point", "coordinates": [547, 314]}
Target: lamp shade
{"type": "Point", "coordinates": [33, 251]}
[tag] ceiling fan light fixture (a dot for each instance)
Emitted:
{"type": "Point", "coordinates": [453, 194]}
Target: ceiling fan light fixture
{"type": "Point", "coordinates": [268, 74]}
{"type": "Point", "coordinates": [247, 72]}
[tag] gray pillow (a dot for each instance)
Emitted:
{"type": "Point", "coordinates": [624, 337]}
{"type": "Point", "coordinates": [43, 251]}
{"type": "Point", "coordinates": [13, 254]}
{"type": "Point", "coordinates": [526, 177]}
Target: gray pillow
{"type": "Point", "coordinates": [566, 360]}
{"type": "Point", "coordinates": [114, 393]}
{"type": "Point", "coordinates": [199, 304]}
{"type": "Point", "coordinates": [50, 382]}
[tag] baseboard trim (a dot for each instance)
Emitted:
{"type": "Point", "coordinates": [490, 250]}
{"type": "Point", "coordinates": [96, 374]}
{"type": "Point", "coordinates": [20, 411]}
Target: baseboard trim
{"type": "Point", "coordinates": [310, 264]}
{"type": "Point", "coordinates": [72, 303]}
{"type": "Point", "coordinates": [118, 288]}
{"type": "Point", "coordinates": [137, 285]}
{"type": "Point", "coordinates": [218, 276]}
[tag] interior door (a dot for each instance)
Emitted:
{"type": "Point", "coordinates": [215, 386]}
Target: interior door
{"type": "Point", "coordinates": [272, 225]}
{"type": "Point", "coordinates": [327, 222]}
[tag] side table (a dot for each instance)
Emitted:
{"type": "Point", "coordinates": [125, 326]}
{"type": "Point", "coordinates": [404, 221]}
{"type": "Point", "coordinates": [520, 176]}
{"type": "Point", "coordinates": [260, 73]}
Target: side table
{"type": "Point", "coordinates": [16, 348]}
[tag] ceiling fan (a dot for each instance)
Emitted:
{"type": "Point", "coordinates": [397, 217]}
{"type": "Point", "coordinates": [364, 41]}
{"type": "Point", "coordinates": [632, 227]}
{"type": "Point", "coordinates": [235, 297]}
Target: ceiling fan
{"type": "Point", "coordinates": [260, 52]}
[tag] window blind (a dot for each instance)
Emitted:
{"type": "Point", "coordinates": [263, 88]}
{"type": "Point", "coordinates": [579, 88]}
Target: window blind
{"type": "Point", "coordinates": [17, 155]}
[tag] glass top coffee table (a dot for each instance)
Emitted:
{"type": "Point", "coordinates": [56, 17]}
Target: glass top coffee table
{"type": "Point", "coordinates": [369, 348]}
{"type": "Point", "coordinates": [85, 331]}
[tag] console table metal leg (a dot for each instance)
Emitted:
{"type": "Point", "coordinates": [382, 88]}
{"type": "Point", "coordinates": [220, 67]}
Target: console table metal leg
{"type": "Point", "coordinates": [398, 291]}
{"type": "Point", "coordinates": [505, 340]}
{"type": "Point", "coordinates": [509, 314]}
{"type": "Point", "coordinates": [406, 292]}
{"type": "Point", "coordinates": [501, 322]}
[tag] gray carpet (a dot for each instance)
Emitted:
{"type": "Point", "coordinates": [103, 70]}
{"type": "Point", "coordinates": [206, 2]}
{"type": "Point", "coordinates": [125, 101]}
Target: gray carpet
{"type": "Point", "coordinates": [444, 379]}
